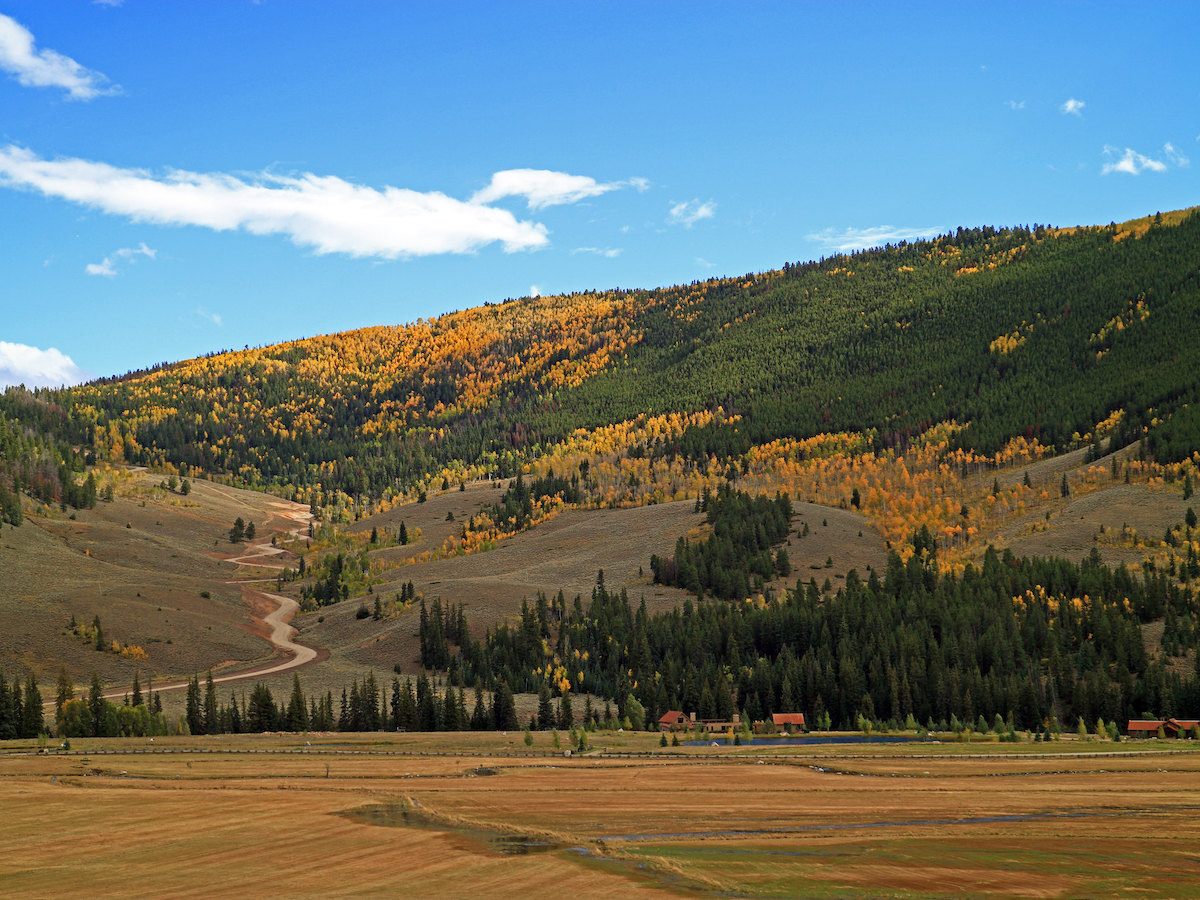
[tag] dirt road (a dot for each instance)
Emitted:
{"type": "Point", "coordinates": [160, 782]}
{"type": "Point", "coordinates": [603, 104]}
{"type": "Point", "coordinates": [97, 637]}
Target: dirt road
{"type": "Point", "coordinates": [276, 624]}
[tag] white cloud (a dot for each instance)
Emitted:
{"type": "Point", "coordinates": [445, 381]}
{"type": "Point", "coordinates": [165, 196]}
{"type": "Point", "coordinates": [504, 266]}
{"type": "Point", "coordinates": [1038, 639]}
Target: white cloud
{"type": "Point", "coordinates": [1174, 156]}
{"type": "Point", "coordinates": [323, 212]}
{"type": "Point", "coordinates": [1130, 162]}
{"type": "Point", "coordinates": [106, 267]}
{"type": "Point", "coordinates": [34, 367]}
{"type": "Point", "coordinates": [113, 3]}
{"type": "Point", "coordinates": [689, 212]}
{"type": "Point", "coordinates": [215, 318]}
{"type": "Point", "coordinates": [543, 187]}
{"type": "Point", "coordinates": [1073, 107]}
{"type": "Point", "coordinates": [608, 252]}
{"type": "Point", "coordinates": [1015, 104]}
{"type": "Point", "coordinates": [641, 185]}
{"type": "Point", "coordinates": [535, 291]}
{"type": "Point", "coordinates": [861, 238]}
{"type": "Point", "coordinates": [46, 68]}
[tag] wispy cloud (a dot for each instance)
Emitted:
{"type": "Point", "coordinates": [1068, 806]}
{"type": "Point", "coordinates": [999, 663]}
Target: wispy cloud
{"type": "Point", "coordinates": [535, 291]}
{"type": "Point", "coordinates": [34, 367]}
{"type": "Point", "coordinates": [609, 252]}
{"type": "Point", "coordinates": [32, 67]}
{"type": "Point", "coordinates": [323, 212]}
{"type": "Point", "coordinates": [108, 2]}
{"type": "Point", "coordinates": [1174, 157]}
{"type": "Point", "coordinates": [1015, 104]}
{"type": "Point", "coordinates": [215, 318]}
{"type": "Point", "coordinates": [107, 267]}
{"type": "Point", "coordinates": [689, 212]}
{"type": "Point", "coordinates": [543, 187]}
{"type": "Point", "coordinates": [861, 238]}
{"type": "Point", "coordinates": [1131, 162]}
{"type": "Point", "coordinates": [1073, 107]}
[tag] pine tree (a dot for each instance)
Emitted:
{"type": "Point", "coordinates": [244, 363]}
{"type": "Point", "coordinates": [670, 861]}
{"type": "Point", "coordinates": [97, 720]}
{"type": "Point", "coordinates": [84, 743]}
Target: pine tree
{"type": "Point", "coordinates": [32, 720]}
{"type": "Point", "coordinates": [96, 704]}
{"type": "Point", "coordinates": [479, 716]}
{"type": "Point", "coordinates": [545, 713]}
{"type": "Point", "coordinates": [504, 709]}
{"type": "Point", "coordinates": [193, 712]}
{"type": "Point", "coordinates": [64, 692]}
{"type": "Point", "coordinates": [212, 720]}
{"type": "Point", "coordinates": [566, 716]}
{"type": "Point", "coordinates": [262, 714]}
{"type": "Point", "coordinates": [450, 719]}
{"type": "Point", "coordinates": [297, 713]}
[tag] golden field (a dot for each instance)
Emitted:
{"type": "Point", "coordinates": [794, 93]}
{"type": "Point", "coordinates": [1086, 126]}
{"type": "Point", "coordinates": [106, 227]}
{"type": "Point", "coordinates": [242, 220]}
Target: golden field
{"type": "Point", "coordinates": [476, 815]}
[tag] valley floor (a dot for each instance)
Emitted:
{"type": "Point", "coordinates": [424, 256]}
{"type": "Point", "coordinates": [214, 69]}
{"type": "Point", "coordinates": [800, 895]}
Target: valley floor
{"type": "Point", "coordinates": [481, 815]}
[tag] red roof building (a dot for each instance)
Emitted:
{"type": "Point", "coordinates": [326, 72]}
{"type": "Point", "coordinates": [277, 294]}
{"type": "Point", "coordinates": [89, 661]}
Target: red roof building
{"type": "Point", "coordinates": [673, 720]}
{"type": "Point", "coordinates": [1172, 728]}
{"type": "Point", "coordinates": [788, 721]}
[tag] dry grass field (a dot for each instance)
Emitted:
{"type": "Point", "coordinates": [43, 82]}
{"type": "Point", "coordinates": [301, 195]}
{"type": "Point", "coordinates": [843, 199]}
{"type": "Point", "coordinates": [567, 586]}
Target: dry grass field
{"type": "Point", "coordinates": [377, 815]}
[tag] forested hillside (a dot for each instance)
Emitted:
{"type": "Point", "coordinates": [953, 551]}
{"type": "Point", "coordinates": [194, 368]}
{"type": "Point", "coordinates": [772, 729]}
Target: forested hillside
{"type": "Point", "coordinates": [1030, 333]}
{"type": "Point", "coordinates": [915, 387]}
{"type": "Point", "coordinates": [1023, 640]}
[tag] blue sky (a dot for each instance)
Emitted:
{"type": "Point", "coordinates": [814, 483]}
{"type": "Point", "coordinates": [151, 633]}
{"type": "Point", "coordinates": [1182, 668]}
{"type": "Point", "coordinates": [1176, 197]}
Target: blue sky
{"type": "Point", "coordinates": [177, 178]}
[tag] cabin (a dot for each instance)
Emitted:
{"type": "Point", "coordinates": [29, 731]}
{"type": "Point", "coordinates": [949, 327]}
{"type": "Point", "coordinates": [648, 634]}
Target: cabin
{"type": "Point", "coordinates": [788, 722]}
{"type": "Point", "coordinates": [674, 720]}
{"type": "Point", "coordinates": [1172, 728]}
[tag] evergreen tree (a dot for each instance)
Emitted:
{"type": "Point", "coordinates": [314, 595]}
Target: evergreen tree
{"type": "Point", "coordinates": [96, 705]}
{"type": "Point", "coordinates": [566, 716]}
{"type": "Point", "coordinates": [194, 713]}
{"type": "Point", "coordinates": [479, 715]}
{"type": "Point", "coordinates": [64, 692]}
{"type": "Point", "coordinates": [32, 721]}
{"type": "Point", "coordinates": [504, 708]}
{"type": "Point", "coordinates": [545, 714]}
{"type": "Point", "coordinates": [262, 714]}
{"type": "Point", "coordinates": [212, 720]}
{"type": "Point", "coordinates": [297, 712]}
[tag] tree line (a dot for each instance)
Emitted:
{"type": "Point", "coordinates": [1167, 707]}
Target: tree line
{"type": "Point", "coordinates": [1029, 640]}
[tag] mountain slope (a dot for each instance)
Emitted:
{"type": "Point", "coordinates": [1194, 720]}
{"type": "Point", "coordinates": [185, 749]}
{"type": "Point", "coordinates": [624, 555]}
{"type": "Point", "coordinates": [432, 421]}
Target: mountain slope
{"type": "Point", "coordinates": [1013, 332]}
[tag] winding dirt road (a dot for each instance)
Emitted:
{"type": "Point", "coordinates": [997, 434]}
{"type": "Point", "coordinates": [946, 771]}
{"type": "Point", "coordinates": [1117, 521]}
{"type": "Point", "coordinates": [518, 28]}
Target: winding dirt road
{"type": "Point", "coordinates": [279, 631]}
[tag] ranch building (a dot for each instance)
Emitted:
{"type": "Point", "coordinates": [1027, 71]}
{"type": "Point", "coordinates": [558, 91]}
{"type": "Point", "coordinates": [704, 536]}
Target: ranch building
{"type": "Point", "coordinates": [1172, 728]}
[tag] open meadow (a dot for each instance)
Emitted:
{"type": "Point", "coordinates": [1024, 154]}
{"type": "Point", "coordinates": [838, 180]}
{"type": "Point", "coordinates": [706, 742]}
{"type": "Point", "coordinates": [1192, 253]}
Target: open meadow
{"type": "Point", "coordinates": [478, 814]}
